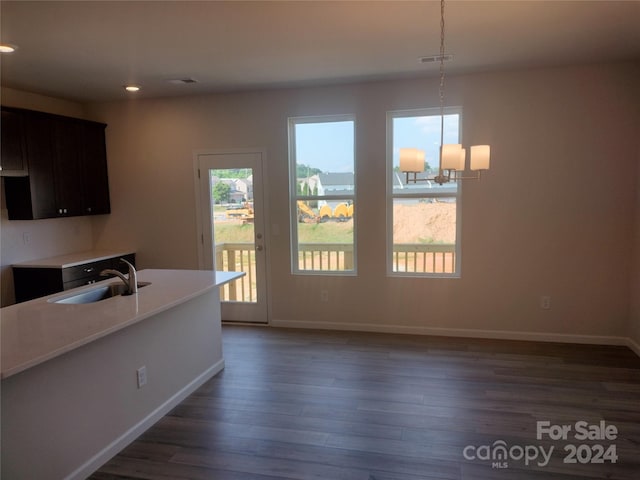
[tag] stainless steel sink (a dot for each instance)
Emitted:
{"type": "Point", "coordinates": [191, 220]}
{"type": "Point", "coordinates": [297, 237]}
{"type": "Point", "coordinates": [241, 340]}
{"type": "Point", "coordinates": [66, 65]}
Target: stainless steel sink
{"type": "Point", "coordinates": [97, 294]}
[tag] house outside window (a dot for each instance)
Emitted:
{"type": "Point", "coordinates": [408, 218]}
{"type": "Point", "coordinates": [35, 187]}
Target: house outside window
{"type": "Point", "coordinates": [423, 219]}
{"type": "Point", "coordinates": [322, 194]}
{"type": "Point", "coordinates": [239, 189]}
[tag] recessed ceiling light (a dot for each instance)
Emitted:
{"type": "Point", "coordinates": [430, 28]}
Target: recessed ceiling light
{"type": "Point", "coordinates": [7, 48]}
{"type": "Point", "coordinates": [132, 88]}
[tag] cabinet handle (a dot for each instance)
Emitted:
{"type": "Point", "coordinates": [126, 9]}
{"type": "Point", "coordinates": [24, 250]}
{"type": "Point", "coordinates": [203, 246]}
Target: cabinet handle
{"type": "Point", "coordinates": [89, 270]}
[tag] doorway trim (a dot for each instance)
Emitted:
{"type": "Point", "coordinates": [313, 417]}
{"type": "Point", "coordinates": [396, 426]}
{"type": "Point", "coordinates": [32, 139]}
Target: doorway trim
{"type": "Point", "coordinates": [200, 239]}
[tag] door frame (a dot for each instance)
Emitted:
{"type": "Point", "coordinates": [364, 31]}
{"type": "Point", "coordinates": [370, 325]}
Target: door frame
{"type": "Point", "coordinates": [203, 236]}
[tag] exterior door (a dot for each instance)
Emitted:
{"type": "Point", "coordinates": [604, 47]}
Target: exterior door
{"type": "Point", "coordinates": [232, 229]}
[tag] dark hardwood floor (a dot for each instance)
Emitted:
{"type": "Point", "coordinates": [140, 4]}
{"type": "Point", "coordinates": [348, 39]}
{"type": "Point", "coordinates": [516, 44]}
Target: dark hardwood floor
{"type": "Point", "coordinates": [301, 404]}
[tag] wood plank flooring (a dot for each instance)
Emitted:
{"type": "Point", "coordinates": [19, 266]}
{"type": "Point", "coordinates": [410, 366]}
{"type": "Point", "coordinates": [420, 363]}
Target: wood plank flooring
{"type": "Point", "coordinates": [302, 404]}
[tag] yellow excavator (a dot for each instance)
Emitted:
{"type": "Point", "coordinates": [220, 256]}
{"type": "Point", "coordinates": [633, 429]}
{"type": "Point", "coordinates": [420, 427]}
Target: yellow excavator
{"type": "Point", "coordinates": [242, 212]}
{"type": "Point", "coordinates": [341, 213]}
{"type": "Point", "coordinates": [306, 215]}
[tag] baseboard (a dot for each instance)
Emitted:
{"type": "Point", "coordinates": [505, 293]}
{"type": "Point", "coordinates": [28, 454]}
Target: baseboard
{"type": "Point", "coordinates": [461, 332]}
{"type": "Point", "coordinates": [134, 432]}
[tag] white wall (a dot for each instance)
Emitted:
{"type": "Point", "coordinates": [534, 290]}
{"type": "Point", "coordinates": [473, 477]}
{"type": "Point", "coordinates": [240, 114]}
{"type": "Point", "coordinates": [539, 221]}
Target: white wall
{"type": "Point", "coordinates": [29, 240]}
{"type": "Point", "coordinates": [555, 216]}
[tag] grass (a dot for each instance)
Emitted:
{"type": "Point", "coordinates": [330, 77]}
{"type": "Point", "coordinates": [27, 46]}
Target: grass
{"type": "Point", "coordinates": [230, 232]}
{"type": "Point", "coordinates": [328, 232]}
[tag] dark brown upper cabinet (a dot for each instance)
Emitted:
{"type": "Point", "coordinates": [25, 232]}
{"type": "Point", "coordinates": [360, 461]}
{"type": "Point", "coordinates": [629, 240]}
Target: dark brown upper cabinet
{"type": "Point", "coordinates": [95, 195]}
{"type": "Point", "coordinates": [13, 160]}
{"type": "Point", "coordinates": [67, 168]}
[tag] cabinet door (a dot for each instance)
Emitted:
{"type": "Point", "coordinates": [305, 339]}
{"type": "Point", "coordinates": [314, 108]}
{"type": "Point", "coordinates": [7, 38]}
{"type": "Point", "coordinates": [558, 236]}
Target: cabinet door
{"type": "Point", "coordinates": [13, 155]}
{"type": "Point", "coordinates": [68, 175]}
{"type": "Point", "coordinates": [30, 283]}
{"type": "Point", "coordinates": [94, 170]}
{"type": "Point", "coordinates": [40, 152]}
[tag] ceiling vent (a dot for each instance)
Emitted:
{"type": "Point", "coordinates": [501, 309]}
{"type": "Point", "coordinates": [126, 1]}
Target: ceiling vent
{"type": "Point", "coordinates": [182, 81]}
{"type": "Point", "coordinates": [436, 58]}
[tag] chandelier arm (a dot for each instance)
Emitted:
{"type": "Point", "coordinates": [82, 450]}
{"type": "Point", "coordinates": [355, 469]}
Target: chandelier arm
{"type": "Point", "coordinates": [457, 176]}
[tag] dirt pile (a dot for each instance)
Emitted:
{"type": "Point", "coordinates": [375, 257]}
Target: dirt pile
{"type": "Point", "coordinates": [424, 223]}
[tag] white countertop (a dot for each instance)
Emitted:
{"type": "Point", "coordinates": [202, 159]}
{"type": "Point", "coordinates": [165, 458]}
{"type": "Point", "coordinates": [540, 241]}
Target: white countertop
{"type": "Point", "coordinates": [73, 259]}
{"type": "Point", "coordinates": [36, 331]}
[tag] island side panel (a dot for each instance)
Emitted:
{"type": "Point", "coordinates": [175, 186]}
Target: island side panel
{"type": "Point", "coordinates": [66, 417]}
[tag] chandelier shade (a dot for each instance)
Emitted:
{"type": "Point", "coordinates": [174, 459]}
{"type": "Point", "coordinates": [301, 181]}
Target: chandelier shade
{"type": "Point", "coordinates": [412, 160]}
{"type": "Point", "coordinates": [451, 156]}
{"type": "Point", "coordinates": [480, 157]}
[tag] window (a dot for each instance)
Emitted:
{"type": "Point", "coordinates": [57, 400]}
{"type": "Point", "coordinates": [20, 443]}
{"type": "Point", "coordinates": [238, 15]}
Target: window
{"type": "Point", "coordinates": [423, 218]}
{"type": "Point", "coordinates": [322, 194]}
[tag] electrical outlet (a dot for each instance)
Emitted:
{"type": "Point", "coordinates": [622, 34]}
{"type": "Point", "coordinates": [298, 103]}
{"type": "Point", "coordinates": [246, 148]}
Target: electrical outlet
{"type": "Point", "coordinates": [324, 295]}
{"type": "Point", "coordinates": [545, 302]}
{"type": "Point", "coordinates": [142, 376]}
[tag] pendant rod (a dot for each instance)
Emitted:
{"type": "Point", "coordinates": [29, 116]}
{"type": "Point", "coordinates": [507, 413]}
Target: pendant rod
{"type": "Point", "coordinates": [441, 89]}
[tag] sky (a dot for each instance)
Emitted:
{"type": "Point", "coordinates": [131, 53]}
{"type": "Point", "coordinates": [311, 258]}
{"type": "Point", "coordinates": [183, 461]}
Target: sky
{"type": "Point", "coordinates": [423, 133]}
{"type": "Point", "coordinates": [329, 146]}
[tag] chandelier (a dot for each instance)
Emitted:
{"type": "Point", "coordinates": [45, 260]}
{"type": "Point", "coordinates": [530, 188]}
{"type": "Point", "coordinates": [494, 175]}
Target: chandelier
{"type": "Point", "coordinates": [452, 156]}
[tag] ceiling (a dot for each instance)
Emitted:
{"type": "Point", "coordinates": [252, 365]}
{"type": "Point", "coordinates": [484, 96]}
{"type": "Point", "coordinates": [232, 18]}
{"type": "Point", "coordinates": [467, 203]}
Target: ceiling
{"type": "Point", "coordinates": [87, 50]}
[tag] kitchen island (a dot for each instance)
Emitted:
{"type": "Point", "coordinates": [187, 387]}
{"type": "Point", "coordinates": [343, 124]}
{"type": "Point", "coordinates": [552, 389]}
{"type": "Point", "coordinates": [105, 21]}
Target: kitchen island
{"type": "Point", "coordinates": [81, 381]}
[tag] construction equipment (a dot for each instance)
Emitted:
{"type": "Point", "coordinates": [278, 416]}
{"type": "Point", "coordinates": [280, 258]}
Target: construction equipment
{"type": "Point", "coordinates": [240, 212]}
{"type": "Point", "coordinates": [305, 214]}
{"type": "Point", "coordinates": [325, 212]}
{"type": "Point", "coordinates": [341, 213]}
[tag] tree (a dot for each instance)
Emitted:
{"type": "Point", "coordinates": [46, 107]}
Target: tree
{"type": "Point", "coordinates": [233, 173]}
{"type": "Point", "coordinates": [305, 171]}
{"type": "Point", "coordinates": [314, 192]}
{"type": "Point", "coordinates": [221, 192]}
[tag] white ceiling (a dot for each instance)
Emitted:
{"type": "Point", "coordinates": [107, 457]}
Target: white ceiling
{"type": "Point", "coordinates": [86, 51]}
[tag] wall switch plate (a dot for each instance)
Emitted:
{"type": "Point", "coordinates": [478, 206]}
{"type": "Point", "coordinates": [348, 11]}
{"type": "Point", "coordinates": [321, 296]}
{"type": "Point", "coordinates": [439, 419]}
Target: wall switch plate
{"type": "Point", "coordinates": [324, 295]}
{"type": "Point", "coordinates": [142, 376]}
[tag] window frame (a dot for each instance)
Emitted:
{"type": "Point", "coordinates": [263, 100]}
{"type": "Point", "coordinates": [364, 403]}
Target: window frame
{"type": "Point", "coordinates": [419, 112]}
{"type": "Point", "coordinates": [294, 197]}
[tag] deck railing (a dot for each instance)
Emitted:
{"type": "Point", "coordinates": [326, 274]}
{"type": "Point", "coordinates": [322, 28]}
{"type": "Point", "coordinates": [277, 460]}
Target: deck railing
{"type": "Point", "coordinates": [424, 258]}
{"type": "Point", "coordinates": [410, 257]}
{"type": "Point", "coordinates": [325, 256]}
{"type": "Point", "coordinates": [237, 257]}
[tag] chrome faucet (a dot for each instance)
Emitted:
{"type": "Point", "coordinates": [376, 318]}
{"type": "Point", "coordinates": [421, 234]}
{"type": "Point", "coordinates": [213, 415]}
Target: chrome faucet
{"type": "Point", "coordinates": [131, 282]}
